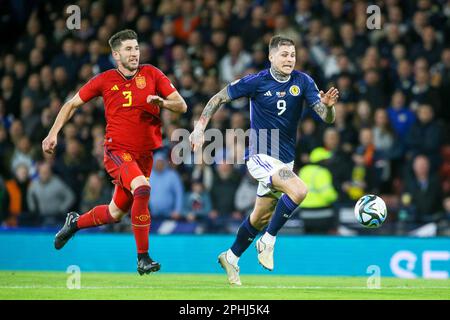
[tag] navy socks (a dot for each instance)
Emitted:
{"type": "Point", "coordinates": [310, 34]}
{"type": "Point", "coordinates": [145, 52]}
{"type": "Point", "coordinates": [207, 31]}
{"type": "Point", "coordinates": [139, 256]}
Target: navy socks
{"type": "Point", "coordinates": [283, 212]}
{"type": "Point", "coordinates": [245, 236]}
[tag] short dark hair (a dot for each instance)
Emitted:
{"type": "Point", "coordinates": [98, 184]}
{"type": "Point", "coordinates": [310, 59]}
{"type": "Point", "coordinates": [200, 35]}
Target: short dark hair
{"type": "Point", "coordinates": [278, 41]}
{"type": "Point", "coordinates": [116, 40]}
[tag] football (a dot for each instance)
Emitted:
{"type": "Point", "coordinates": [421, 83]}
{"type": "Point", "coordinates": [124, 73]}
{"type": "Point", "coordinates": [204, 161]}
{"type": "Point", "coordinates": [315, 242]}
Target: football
{"type": "Point", "coordinates": [370, 211]}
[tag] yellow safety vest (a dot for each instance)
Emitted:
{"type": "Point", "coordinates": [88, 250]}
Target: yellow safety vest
{"type": "Point", "coordinates": [321, 192]}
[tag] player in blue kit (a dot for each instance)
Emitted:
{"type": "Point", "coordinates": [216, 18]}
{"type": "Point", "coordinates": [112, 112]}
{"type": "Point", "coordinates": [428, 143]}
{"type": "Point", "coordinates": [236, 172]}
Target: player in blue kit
{"type": "Point", "coordinates": [276, 102]}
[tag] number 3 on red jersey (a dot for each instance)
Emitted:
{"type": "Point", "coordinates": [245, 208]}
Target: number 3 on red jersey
{"type": "Point", "coordinates": [129, 97]}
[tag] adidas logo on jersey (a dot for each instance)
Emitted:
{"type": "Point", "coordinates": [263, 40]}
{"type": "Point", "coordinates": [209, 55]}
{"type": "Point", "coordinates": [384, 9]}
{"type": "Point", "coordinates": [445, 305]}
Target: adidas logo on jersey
{"type": "Point", "coordinates": [115, 87]}
{"type": "Point", "coordinates": [268, 94]}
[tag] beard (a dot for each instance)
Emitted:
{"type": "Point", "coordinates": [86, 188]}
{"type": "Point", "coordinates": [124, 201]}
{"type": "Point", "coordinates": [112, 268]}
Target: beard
{"type": "Point", "coordinates": [127, 65]}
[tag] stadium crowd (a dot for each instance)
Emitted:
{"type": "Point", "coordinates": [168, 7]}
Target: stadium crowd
{"type": "Point", "coordinates": [391, 136]}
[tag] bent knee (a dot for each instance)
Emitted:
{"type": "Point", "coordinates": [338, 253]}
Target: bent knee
{"type": "Point", "coordinates": [116, 212]}
{"type": "Point", "coordinates": [117, 216]}
{"type": "Point", "coordinates": [139, 182]}
{"type": "Point", "coordinates": [298, 193]}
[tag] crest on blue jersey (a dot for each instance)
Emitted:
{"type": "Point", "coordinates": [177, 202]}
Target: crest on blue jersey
{"type": "Point", "coordinates": [294, 90]}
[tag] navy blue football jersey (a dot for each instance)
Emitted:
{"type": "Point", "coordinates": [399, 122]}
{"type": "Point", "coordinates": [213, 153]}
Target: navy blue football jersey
{"type": "Point", "coordinates": [275, 109]}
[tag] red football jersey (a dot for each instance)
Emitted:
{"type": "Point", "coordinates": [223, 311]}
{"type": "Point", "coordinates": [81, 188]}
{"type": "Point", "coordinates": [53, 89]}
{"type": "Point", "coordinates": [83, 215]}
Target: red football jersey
{"type": "Point", "coordinates": [131, 123]}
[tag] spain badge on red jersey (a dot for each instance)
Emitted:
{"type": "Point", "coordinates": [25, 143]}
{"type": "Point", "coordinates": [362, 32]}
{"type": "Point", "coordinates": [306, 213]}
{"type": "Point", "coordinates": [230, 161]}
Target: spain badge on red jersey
{"type": "Point", "coordinates": [127, 157]}
{"type": "Point", "coordinates": [140, 82]}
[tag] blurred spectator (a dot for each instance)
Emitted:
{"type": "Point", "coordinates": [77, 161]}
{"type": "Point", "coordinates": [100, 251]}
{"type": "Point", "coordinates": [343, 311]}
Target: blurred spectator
{"type": "Point", "coordinates": [304, 63]}
{"type": "Point", "coordinates": [49, 197]}
{"type": "Point", "coordinates": [428, 47]}
{"type": "Point", "coordinates": [254, 28]}
{"type": "Point", "coordinates": [282, 27]}
{"type": "Point", "coordinates": [225, 184]}
{"type": "Point", "coordinates": [66, 59]}
{"type": "Point", "coordinates": [10, 94]}
{"type": "Point", "coordinates": [403, 78]}
{"type": "Point", "coordinates": [187, 21]}
{"type": "Point", "coordinates": [385, 142]}
{"type": "Point", "coordinates": [244, 199]}
{"type": "Point", "coordinates": [34, 92]}
{"type": "Point", "coordinates": [20, 74]}
{"type": "Point", "coordinates": [205, 174]}
{"type": "Point", "coordinates": [197, 203]}
{"type": "Point", "coordinates": [424, 189]}
{"type": "Point", "coordinates": [425, 136]}
{"type": "Point", "coordinates": [71, 167]}
{"type": "Point", "coordinates": [365, 174]}
{"type": "Point", "coordinates": [383, 135]}
{"type": "Point", "coordinates": [95, 193]}
{"type": "Point", "coordinates": [441, 80]}
{"type": "Point", "coordinates": [423, 93]}
{"type": "Point", "coordinates": [354, 47]}
{"type": "Point", "coordinates": [317, 210]}
{"type": "Point", "coordinates": [370, 89]}
{"type": "Point", "coordinates": [16, 189]}
{"type": "Point", "coordinates": [43, 127]}
{"type": "Point", "coordinates": [23, 155]}
{"type": "Point", "coordinates": [340, 163]}
{"type": "Point", "coordinates": [6, 151]}
{"type": "Point", "coordinates": [36, 60]}
{"type": "Point", "coordinates": [303, 15]}
{"type": "Point", "coordinates": [363, 116]}
{"type": "Point", "coordinates": [167, 195]}
{"type": "Point", "coordinates": [344, 84]}
{"type": "Point", "coordinates": [419, 21]}
{"type": "Point", "coordinates": [235, 62]}
{"type": "Point", "coordinates": [100, 62]}
{"type": "Point", "coordinates": [309, 138]}
{"type": "Point", "coordinates": [391, 39]}
{"type": "Point", "coordinates": [373, 161]}
{"type": "Point", "coordinates": [348, 136]}
{"type": "Point", "coordinates": [62, 82]}
{"type": "Point", "coordinates": [400, 116]}
{"type": "Point", "coordinates": [5, 119]}
{"type": "Point", "coordinates": [29, 117]}
{"type": "Point", "coordinates": [16, 131]}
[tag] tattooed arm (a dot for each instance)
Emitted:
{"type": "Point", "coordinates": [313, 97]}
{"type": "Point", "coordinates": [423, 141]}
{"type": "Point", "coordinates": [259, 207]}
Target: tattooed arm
{"type": "Point", "coordinates": [325, 107]}
{"type": "Point", "coordinates": [211, 107]}
{"type": "Point", "coordinates": [197, 136]}
{"type": "Point", "coordinates": [326, 113]}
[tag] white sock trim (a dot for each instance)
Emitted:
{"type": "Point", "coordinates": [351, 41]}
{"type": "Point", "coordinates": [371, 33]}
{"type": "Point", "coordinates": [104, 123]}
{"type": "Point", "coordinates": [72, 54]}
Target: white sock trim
{"type": "Point", "coordinates": [232, 258]}
{"type": "Point", "coordinates": [268, 238]}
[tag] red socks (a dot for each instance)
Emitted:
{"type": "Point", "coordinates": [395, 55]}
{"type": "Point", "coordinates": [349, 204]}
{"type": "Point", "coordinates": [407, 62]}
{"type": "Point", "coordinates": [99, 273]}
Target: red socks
{"type": "Point", "coordinates": [95, 217]}
{"type": "Point", "coordinates": [140, 218]}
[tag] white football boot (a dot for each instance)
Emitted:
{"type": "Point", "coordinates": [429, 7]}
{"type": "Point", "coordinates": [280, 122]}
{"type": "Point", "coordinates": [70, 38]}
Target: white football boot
{"type": "Point", "coordinates": [232, 270]}
{"type": "Point", "coordinates": [265, 254]}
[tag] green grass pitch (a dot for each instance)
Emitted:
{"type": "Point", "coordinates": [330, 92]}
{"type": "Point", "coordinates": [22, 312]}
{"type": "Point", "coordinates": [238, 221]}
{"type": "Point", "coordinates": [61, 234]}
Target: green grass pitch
{"type": "Point", "coordinates": [19, 285]}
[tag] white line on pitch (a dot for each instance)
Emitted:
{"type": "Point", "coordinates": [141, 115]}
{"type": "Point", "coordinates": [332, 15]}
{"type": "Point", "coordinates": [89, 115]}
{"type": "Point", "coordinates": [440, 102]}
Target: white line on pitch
{"type": "Point", "coordinates": [221, 287]}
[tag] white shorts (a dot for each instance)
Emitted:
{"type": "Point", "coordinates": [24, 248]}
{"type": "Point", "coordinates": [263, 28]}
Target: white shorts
{"type": "Point", "coordinates": [262, 167]}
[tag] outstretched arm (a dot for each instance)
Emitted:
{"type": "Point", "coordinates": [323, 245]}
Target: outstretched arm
{"type": "Point", "coordinates": [197, 137]}
{"type": "Point", "coordinates": [66, 112]}
{"type": "Point", "coordinates": [325, 107]}
{"type": "Point", "coordinates": [211, 107]}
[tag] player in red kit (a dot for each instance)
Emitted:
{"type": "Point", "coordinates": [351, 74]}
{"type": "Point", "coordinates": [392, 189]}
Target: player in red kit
{"type": "Point", "coordinates": [133, 95]}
